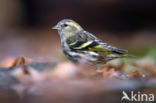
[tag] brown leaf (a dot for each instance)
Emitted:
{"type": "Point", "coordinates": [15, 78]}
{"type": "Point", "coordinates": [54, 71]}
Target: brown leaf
{"type": "Point", "coordinates": [110, 73]}
{"type": "Point", "coordinates": [147, 66]}
{"type": "Point", "coordinates": [19, 61]}
{"type": "Point", "coordinates": [135, 74]}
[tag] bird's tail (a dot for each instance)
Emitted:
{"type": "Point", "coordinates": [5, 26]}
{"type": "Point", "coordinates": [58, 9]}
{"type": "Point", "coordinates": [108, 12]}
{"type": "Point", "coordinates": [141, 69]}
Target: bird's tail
{"type": "Point", "coordinates": [128, 55]}
{"type": "Point", "coordinates": [132, 56]}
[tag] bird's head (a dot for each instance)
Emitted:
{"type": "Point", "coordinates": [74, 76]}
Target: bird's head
{"type": "Point", "coordinates": [67, 27]}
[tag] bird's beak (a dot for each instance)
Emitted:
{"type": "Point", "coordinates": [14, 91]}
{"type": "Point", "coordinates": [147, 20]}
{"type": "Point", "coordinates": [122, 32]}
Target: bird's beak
{"type": "Point", "coordinates": [56, 27]}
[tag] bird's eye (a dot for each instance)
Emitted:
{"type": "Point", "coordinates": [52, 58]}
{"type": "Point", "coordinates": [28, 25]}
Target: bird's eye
{"type": "Point", "coordinates": [65, 25]}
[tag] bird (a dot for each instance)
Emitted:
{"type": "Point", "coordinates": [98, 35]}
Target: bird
{"type": "Point", "coordinates": [81, 46]}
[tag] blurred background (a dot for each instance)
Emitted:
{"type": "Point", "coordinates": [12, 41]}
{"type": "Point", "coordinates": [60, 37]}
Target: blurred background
{"type": "Point", "coordinates": [25, 25]}
{"type": "Point", "coordinates": [25, 30]}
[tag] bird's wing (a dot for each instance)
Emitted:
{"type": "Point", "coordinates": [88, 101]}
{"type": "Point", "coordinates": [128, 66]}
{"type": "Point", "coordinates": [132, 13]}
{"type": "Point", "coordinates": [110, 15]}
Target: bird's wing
{"type": "Point", "coordinates": [87, 41]}
{"type": "Point", "coordinates": [112, 50]}
{"type": "Point", "coordinates": [104, 46]}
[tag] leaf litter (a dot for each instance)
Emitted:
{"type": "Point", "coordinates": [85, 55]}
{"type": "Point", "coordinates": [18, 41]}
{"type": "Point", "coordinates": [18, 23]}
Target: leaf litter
{"type": "Point", "coordinates": [38, 82]}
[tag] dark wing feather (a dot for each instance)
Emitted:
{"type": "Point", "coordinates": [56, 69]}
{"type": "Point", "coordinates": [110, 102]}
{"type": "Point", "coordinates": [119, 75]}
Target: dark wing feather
{"type": "Point", "coordinates": [119, 51]}
{"type": "Point", "coordinates": [95, 45]}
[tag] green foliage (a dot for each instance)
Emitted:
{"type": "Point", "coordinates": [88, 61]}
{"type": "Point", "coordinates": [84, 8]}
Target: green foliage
{"type": "Point", "coordinates": [152, 54]}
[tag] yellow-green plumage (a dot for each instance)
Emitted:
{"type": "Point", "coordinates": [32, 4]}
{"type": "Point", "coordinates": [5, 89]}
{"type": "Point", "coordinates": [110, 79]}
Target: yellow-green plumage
{"type": "Point", "coordinates": [81, 46]}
